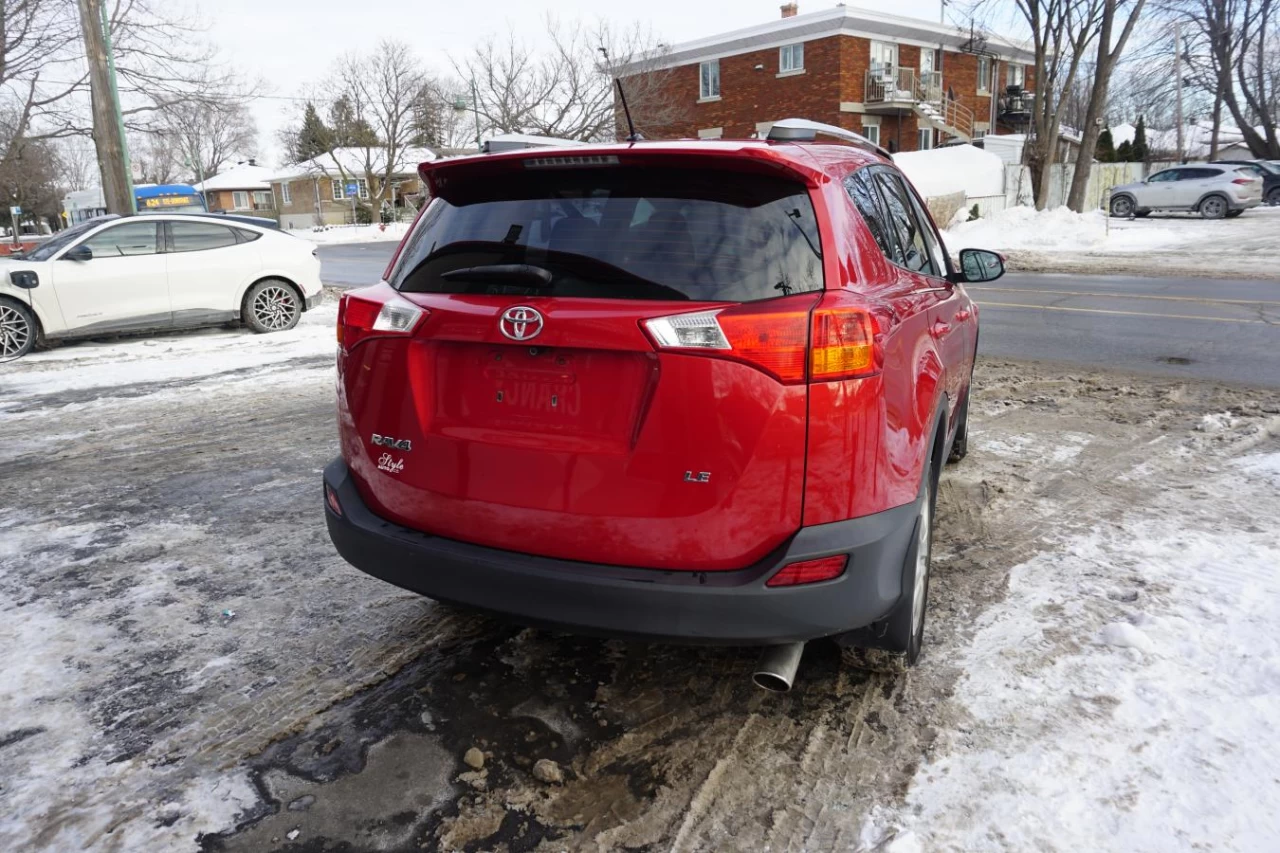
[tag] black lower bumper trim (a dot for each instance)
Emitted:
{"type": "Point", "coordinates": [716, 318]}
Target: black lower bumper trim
{"type": "Point", "coordinates": [688, 607]}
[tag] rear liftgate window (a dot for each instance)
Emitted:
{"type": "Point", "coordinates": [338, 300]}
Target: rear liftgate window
{"type": "Point", "coordinates": [623, 233]}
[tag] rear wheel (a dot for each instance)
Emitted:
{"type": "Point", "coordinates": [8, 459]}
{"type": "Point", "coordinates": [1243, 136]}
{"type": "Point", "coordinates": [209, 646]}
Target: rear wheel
{"type": "Point", "coordinates": [1122, 205]}
{"type": "Point", "coordinates": [17, 330]}
{"type": "Point", "coordinates": [1273, 195]}
{"type": "Point", "coordinates": [960, 445]}
{"type": "Point", "coordinates": [1232, 214]}
{"type": "Point", "coordinates": [1142, 214]}
{"type": "Point", "coordinates": [1213, 207]}
{"type": "Point", "coordinates": [904, 632]}
{"type": "Point", "coordinates": [271, 306]}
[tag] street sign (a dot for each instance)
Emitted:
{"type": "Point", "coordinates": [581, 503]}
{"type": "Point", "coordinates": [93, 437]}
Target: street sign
{"type": "Point", "coordinates": [15, 211]}
{"type": "Point", "coordinates": [353, 189]}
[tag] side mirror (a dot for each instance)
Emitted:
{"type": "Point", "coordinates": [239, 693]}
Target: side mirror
{"type": "Point", "coordinates": [25, 279]}
{"type": "Point", "coordinates": [980, 265]}
{"type": "Point", "coordinates": [78, 253]}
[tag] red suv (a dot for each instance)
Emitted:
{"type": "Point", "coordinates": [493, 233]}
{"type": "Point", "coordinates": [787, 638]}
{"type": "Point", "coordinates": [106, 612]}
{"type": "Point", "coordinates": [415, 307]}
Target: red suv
{"type": "Point", "coordinates": [693, 391]}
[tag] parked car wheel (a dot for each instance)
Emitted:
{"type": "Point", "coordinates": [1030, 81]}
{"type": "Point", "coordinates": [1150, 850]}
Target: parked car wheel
{"type": "Point", "coordinates": [904, 634]}
{"type": "Point", "coordinates": [1213, 207]}
{"type": "Point", "coordinates": [1273, 197]}
{"type": "Point", "coordinates": [1232, 214]}
{"type": "Point", "coordinates": [1142, 214]}
{"type": "Point", "coordinates": [17, 330]}
{"type": "Point", "coordinates": [271, 306]}
{"type": "Point", "coordinates": [1122, 205]}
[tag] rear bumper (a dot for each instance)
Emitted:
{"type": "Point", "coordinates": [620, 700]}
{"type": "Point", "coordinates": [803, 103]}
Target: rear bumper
{"type": "Point", "coordinates": [313, 300]}
{"type": "Point", "coordinates": [687, 607]}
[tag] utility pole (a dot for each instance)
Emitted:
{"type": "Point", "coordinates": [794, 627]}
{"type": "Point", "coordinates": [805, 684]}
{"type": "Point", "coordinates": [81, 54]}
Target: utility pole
{"type": "Point", "coordinates": [108, 122]}
{"type": "Point", "coordinates": [1177, 75]}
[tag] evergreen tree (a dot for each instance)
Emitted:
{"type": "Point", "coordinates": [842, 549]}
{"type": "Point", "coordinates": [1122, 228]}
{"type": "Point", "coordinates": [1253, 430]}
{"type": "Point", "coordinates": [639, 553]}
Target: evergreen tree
{"type": "Point", "coordinates": [349, 129]}
{"type": "Point", "coordinates": [1106, 149]}
{"type": "Point", "coordinates": [1124, 154]}
{"type": "Point", "coordinates": [1140, 152]}
{"type": "Point", "coordinates": [313, 138]}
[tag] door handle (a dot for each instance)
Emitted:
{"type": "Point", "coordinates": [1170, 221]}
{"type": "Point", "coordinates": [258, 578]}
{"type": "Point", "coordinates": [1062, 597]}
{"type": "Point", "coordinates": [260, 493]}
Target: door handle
{"type": "Point", "coordinates": [963, 314]}
{"type": "Point", "coordinates": [940, 329]}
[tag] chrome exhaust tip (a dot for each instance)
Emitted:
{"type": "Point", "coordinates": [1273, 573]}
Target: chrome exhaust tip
{"type": "Point", "coordinates": [776, 670]}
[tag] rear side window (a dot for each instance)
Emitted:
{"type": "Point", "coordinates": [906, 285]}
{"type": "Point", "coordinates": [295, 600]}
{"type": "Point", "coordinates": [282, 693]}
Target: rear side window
{"type": "Point", "coordinates": [1197, 174]}
{"type": "Point", "coordinates": [199, 236]}
{"type": "Point", "coordinates": [913, 248]}
{"type": "Point", "coordinates": [625, 233]}
{"type": "Point", "coordinates": [861, 189]}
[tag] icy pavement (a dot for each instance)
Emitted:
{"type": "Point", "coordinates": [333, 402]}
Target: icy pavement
{"type": "Point", "coordinates": [186, 664]}
{"type": "Point", "coordinates": [1161, 245]}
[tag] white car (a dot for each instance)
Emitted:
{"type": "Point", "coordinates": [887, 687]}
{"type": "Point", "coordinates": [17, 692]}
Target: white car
{"type": "Point", "coordinates": [156, 272]}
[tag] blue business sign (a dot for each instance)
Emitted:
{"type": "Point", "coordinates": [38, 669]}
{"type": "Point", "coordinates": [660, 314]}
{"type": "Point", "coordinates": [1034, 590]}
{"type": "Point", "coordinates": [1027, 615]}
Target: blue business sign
{"type": "Point", "coordinates": [353, 188]}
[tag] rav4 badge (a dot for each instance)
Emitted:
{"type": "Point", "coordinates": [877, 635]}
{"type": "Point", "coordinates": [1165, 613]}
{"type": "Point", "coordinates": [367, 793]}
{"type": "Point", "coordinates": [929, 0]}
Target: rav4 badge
{"type": "Point", "coordinates": [394, 443]}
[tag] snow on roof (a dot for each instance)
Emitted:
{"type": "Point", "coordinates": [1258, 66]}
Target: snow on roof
{"type": "Point", "coordinates": [841, 20]}
{"type": "Point", "coordinates": [953, 169]}
{"type": "Point", "coordinates": [353, 161]}
{"type": "Point", "coordinates": [242, 176]}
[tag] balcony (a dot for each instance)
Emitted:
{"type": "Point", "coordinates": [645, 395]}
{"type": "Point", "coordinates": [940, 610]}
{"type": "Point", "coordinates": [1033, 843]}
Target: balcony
{"type": "Point", "coordinates": [1016, 106]}
{"type": "Point", "coordinates": [894, 91]}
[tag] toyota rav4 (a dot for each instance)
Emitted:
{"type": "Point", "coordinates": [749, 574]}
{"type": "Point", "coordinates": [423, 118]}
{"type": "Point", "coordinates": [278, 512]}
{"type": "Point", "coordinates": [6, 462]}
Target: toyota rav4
{"type": "Point", "coordinates": [695, 391]}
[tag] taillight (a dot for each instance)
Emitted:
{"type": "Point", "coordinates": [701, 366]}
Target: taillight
{"type": "Point", "coordinates": [844, 345]}
{"type": "Point", "coordinates": [810, 571]}
{"type": "Point", "coordinates": [774, 339]}
{"type": "Point", "coordinates": [788, 339]}
{"type": "Point", "coordinates": [375, 312]}
{"type": "Point", "coordinates": [1243, 180]}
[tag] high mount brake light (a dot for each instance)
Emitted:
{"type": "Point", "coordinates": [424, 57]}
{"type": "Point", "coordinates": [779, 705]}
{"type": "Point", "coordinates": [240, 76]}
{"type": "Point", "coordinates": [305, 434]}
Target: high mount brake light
{"type": "Point", "coordinates": [560, 162]}
{"type": "Point", "coordinates": [376, 314]}
{"type": "Point", "coordinates": [792, 343]}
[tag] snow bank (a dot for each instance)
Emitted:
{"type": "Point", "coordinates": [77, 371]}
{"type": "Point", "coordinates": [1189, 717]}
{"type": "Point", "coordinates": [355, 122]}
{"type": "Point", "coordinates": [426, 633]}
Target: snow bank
{"type": "Point", "coordinates": [354, 233]}
{"type": "Point", "coordinates": [1060, 229]}
{"type": "Point", "coordinates": [1156, 736]}
{"type": "Point", "coordinates": [956, 168]}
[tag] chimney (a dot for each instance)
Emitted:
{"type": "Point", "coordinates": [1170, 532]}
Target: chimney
{"type": "Point", "coordinates": [789, 10]}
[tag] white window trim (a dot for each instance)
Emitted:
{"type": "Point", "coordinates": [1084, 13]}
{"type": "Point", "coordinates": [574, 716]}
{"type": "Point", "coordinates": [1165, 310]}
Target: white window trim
{"type": "Point", "coordinates": [1022, 74]}
{"type": "Point", "coordinates": [788, 50]}
{"type": "Point", "coordinates": [872, 132]}
{"type": "Point", "coordinates": [919, 133]}
{"type": "Point", "coordinates": [984, 80]}
{"type": "Point", "coordinates": [285, 197]}
{"type": "Point", "coordinates": [339, 189]}
{"type": "Point", "coordinates": [235, 200]}
{"type": "Point", "coordinates": [362, 185]}
{"type": "Point", "coordinates": [707, 95]}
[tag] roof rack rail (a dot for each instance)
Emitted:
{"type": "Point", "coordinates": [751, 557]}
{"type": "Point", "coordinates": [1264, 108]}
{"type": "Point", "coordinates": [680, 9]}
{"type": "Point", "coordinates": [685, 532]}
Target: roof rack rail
{"type": "Point", "coordinates": [803, 130]}
{"type": "Point", "coordinates": [520, 141]}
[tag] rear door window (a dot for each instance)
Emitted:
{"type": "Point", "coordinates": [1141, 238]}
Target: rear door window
{"type": "Point", "coordinates": [199, 236]}
{"type": "Point", "coordinates": [861, 188]}
{"type": "Point", "coordinates": [625, 233]}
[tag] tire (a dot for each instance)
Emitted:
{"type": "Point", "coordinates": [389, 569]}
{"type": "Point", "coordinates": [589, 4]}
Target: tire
{"type": "Point", "coordinates": [960, 445]}
{"type": "Point", "coordinates": [1213, 207]}
{"type": "Point", "coordinates": [271, 305]}
{"type": "Point", "coordinates": [1141, 214]}
{"type": "Point", "coordinates": [1273, 195]}
{"type": "Point", "coordinates": [1122, 205]}
{"type": "Point", "coordinates": [1232, 214]}
{"type": "Point", "coordinates": [18, 330]}
{"type": "Point", "coordinates": [898, 649]}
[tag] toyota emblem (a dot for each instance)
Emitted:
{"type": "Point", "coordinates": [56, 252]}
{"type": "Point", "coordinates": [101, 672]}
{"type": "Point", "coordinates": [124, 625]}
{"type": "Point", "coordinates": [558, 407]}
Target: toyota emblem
{"type": "Point", "coordinates": [520, 323]}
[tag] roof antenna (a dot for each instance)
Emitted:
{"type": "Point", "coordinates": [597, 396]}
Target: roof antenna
{"type": "Point", "coordinates": [632, 136]}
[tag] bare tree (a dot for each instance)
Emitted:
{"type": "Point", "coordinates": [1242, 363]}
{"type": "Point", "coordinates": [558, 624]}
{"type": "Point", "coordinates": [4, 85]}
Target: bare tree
{"type": "Point", "coordinates": [567, 90]}
{"type": "Point", "coordinates": [1110, 45]}
{"type": "Point", "coordinates": [206, 136]}
{"type": "Point", "coordinates": [77, 163]}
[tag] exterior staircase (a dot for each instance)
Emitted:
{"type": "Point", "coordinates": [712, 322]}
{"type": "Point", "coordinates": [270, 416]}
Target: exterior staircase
{"type": "Point", "coordinates": [923, 94]}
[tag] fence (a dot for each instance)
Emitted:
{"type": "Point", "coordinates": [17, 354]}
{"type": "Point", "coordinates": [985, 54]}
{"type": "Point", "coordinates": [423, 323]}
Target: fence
{"type": "Point", "coordinates": [1102, 177]}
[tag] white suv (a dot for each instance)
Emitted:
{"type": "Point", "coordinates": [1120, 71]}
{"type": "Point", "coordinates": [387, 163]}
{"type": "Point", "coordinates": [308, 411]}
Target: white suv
{"type": "Point", "coordinates": [1211, 191]}
{"type": "Point", "coordinates": [155, 272]}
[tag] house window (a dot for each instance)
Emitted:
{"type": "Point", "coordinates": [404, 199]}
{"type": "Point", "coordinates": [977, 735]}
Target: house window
{"type": "Point", "coordinates": [1017, 75]}
{"type": "Point", "coordinates": [872, 132]}
{"type": "Point", "coordinates": [791, 58]}
{"type": "Point", "coordinates": [339, 193]}
{"type": "Point", "coordinates": [285, 198]}
{"type": "Point", "coordinates": [978, 133]}
{"type": "Point", "coordinates": [709, 79]}
{"type": "Point", "coordinates": [884, 59]}
{"type": "Point", "coordinates": [364, 188]}
{"type": "Point", "coordinates": [984, 74]}
{"type": "Point", "coordinates": [925, 139]}
{"type": "Point", "coordinates": [240, 200]}
{"type": "Point", "coordinates": [262, 199]}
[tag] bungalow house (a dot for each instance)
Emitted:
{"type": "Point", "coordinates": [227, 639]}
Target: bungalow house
{"type": "Point", "coordinates": [333, 188]}
{"type": "Point", "coordinates": [241, 189]}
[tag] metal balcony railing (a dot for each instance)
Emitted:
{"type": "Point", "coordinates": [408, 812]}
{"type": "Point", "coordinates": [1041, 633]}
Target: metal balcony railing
{"type": "Point", "coordinates": [924, 93]}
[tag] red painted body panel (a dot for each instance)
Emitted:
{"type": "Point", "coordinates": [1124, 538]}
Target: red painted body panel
{"type": "Point", "coordinates": [599, 475]}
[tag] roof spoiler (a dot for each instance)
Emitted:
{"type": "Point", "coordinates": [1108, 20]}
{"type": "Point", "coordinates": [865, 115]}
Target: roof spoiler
{"type": "Point", "coordinates": [803, 130]}
{"type": "Point", "coordinates": [520, 141]}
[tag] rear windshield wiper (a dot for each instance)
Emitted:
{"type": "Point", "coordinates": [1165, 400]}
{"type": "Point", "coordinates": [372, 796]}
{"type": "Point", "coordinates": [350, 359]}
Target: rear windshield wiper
{"type": "Point", "coordinates": [526, 274]}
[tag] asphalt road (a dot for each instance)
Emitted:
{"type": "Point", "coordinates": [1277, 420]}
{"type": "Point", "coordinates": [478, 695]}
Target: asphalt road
{"type": "Point", "coordinates": [1220, 330]}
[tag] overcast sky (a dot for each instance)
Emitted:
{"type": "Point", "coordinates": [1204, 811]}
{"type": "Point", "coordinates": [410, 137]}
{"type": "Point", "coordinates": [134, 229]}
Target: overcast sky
{"type": "Point", "coordinates": [291, 43]}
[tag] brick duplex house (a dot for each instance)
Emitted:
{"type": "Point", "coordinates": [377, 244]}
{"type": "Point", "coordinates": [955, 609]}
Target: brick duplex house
{"type": "Point", "coordinates": [906, 83]}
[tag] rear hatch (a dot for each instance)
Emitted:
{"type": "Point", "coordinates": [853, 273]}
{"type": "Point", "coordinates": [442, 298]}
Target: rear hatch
{"type": "Point", "coordinates": [592, 361]}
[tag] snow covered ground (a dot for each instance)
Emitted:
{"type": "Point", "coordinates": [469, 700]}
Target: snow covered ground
{"type": "Point", "coordinates": [354, 233]}
{"type": "Point", "coordinates": [1174, 244]}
